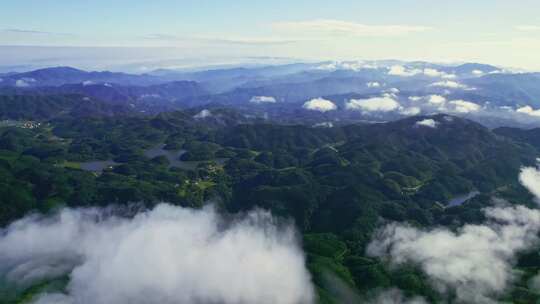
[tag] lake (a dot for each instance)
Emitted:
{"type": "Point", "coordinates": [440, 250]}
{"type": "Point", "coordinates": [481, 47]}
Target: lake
{"type": "Point", "coordinates": [174, 158]}
{"type": "Point", "coordinates": [97, 166]}
{"type": "Point", "coordinates": [457, 201]}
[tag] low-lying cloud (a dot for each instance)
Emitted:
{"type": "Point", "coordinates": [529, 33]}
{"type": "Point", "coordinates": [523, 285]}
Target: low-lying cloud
{"type": "Point", "coordinates": [394, 296]}
{"type": "Point", "coordinates": [530, 179]}
{"type": "Point", "coordinates": [436, 73]}
{"type": "Point", "coordinates": [205, 113]}
{"type": "Point", "coordinates": [262, 99]}
{"type": "Point", "coordinates": [410, 111]}
{"type": "Point", "coordinates": [403, 71]}
{"type": "Point", "coordinates": [463, 106]}
{"type": "Point", "coordinates": [375, 104]}
{"type": "Point", "coordinates": [450, 84]}
{"type": "Point", "coordinates": [529, 111]}
{"type": "Point", "coordinates": [319, 104]}
{"type": "Point", "coordinates": [24, 82]}
{"type": "Point", "coordinates": [436, 99]}
{"type": "Point", "coordinates": [166, 255]}
{"type": "Point", "coordinates": [430, 123]}
{"type": "Point", "coordinates": [399, 70]}
{"type": "Point", "coordinates": [474, 262]}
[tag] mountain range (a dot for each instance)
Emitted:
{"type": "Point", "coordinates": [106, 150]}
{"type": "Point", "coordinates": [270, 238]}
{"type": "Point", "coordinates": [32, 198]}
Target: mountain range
{"type": "Point", "coordinates": [311, 93]}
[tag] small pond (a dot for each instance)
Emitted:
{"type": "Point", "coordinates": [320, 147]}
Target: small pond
{"type": "Point", "coordinates": [174, 157]}
{"type": "Point", "coordinates": [460, 200]}
{"type": "Point", "coordinates": [97, 166]}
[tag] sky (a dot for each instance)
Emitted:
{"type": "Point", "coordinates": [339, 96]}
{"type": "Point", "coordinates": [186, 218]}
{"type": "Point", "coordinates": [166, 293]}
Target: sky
{"type": "Point", "coordinates": [184, 32]}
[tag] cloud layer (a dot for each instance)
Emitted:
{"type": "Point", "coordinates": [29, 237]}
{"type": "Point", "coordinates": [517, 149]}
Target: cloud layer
{"type": "Point", "coordinates": [167, 255]}
{"type": "Point", "coordinates": [475, 261]}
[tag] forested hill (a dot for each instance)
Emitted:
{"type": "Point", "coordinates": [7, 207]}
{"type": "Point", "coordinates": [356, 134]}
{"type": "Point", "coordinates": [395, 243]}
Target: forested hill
{"type": "Point", "coordinates": [337, 184]}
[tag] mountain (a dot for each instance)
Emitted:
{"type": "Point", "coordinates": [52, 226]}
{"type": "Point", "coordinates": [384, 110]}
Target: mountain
{"type": "Point", "coordinates": [472, 68]}
{"type": "Point", "coordinates": [516, 89]}
{"type": "Point", "coordinates": [149, 99]}
{"type": "Point", "coordinates": [58, 76]}
{"type": "Point", "coordinates": [47, 107]}
{"type": "Point", "coordinates": [338, 186]}
{"type": "Point", "coordinates": [485, 93]}
{"type": "Point", "coordinates": [221, 80]}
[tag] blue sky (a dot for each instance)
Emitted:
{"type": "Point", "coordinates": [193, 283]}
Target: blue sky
{"type": "Point", "coordinates": [498, 31]}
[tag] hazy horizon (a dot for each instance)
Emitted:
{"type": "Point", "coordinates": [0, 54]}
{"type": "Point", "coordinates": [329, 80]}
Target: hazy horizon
{"type": "Point", "coordinates": [101, 33]}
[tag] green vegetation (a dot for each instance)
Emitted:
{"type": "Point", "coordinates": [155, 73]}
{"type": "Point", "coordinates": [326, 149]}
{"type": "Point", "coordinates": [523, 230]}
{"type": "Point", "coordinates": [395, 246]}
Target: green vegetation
{"type": "Point", "coordinates": [337, 184]}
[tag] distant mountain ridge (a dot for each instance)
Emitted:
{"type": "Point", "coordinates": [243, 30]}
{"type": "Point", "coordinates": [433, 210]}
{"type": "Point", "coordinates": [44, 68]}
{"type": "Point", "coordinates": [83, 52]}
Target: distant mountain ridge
{"type": "Point", "coordinates": [379, 90]}
{"type": "Point", "coordinates": [57, 76]}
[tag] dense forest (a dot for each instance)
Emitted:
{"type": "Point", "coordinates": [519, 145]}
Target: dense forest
{"type": "Point", "coordinates": [338, 184]}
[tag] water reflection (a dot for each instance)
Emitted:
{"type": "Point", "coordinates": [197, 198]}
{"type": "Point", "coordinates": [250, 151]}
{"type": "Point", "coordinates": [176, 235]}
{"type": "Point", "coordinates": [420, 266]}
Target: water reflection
{"type": "Point", "coordinates": [174, 158]}
{"type": "Point", "coordinates": [457, 201]}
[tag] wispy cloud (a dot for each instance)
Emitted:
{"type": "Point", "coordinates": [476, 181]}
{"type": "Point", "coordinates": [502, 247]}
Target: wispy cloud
{"type": "Point", "coordinates": [528, 28]}
{"type": "Point", "coordinates": [33, 32]}
{"type": "Point", "coordinates": [339, 27]}
{"type": "Point", "coordinates": [235, 41]}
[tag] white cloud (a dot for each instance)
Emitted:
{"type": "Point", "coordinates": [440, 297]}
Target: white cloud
{"type": "Point", "coordinates": [391, 93]}
{"type": "Point", "coordinates": [167, 255]}
{"type": "Point", "coordinates": [373, 84]}
{"type": "Point", "coordinates": [346, 65]}
{"type": "Point", "coordinates": [203, 114]}
{"type": "Point", "coordinates": [528, 28]}
{"type": "Point", "coordinates": [262, 99]}
{"type": "Point", "coordinates": [449, 84]}
{"type": "Point", "coordinates": [430, 123]}
{"type": "Point", "coordinates": [21, 83]}
{"type": "Point", "coordinates": [324, 124]}
{"type": "Point", "coordinates": [462, 106]}
{"type": "Point", "coordinates": [475, 261]}
{"type": "Point", "coordinates": [399, 70]}
{"type": "Point", "coordinates": [415, 98]}
{"type": "Point", "coordinates": [477, 73]}
{"type": "Point", "coordinates": [24, 82]}
{"type": "Point", "coordinates": [88, 83]}
{"type": "Point", "coordinates": [530, 179]}
{"type": "Point", "coordinates": [529, 111]}
{"type": "Point", "coordinates": [339, 27]}
{"type": "Point", "coordinates": [395, 296]}
{"type": "Point", "coordinates": [411, 111]}
{"type": "Point", "coordinates": [376, 104]}
{"type": "Point", "coordinates": [436, 73]}
{"type": "Point", "coordinates": [433, 72]}
{"type": "Point", "coordinates": [149, 96]}
{"type": "Point", "coordinates": [436, 99]}
{"type": "Point", "coordinates": [319, 104]}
